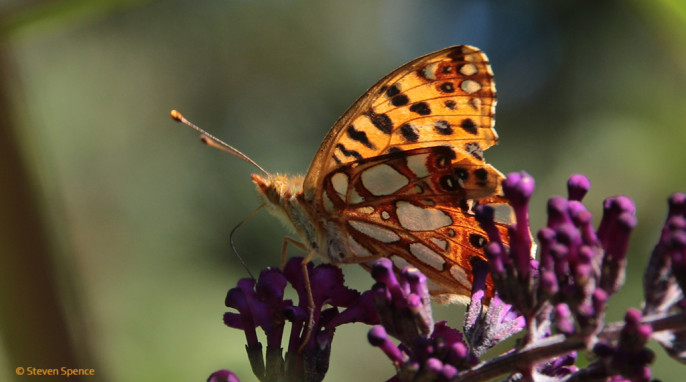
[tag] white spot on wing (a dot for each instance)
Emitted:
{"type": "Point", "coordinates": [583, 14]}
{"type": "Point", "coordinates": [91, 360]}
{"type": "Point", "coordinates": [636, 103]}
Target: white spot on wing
{"type": "Point", "coordinates": [400, 262]}
{"type": "Point", "coordinates": [374, 231]}
{"type": "Point", "coordinates": [357, 249]}
{"type": "Point", "coordinates": [475, 103]}
{"type": "Point", "coordinates": [366, 210]}
{"type": "Point", "coordinates": [417, 163]}
{"type": "Point", "coordinates": [445, 299]}
{"type": "Point", "coordinates": [468, 69]}
{"type": "Point", "coordinates": [355, 198]}
{"type": "Point", "coordinates": [416, 218]}
{"type": "Point", "coordinates": [427, 256]}
{"type": "Point", "coordinates": [442, 244]}
{"type": "Point", "coordinates": [470, 86]}
{"type": "Point", "coordinates": [459, 275]}
{"type": "Point", "coordinates": [432, 286]}
{"type": "Point", "coordinates": [328, 204]}
{"type": "Point", "coordinates": [383, 180]}
{"type": "Point", "coordinates": [340, 183]}
{"type": "Point", "coordinates": [429, 71]}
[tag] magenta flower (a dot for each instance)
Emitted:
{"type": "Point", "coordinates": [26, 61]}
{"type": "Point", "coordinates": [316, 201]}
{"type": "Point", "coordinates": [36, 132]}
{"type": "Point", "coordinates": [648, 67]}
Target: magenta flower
{"type": "Point", "coordinates": [262, 305]}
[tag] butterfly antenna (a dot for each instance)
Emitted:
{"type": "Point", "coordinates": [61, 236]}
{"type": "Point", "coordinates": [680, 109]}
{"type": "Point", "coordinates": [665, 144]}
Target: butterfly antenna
{"type": "Point", "coordinates": [213, 141]}
{"type": "Point", "coordinates": [233, 245]}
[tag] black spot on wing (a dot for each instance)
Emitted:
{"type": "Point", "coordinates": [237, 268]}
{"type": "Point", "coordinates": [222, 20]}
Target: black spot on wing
{"type": "Point", "coordinates": [481, 174]}
{"type": "Point", "coordinates": [474, 149]}
{"type": "Point", "coordinates": [359, 136]}
{"type": "Point", "coordinates": [448, 183]}
{"type": "Point", "coordinates": [456, 55]}
{"type": "Point", "coordinates": [409, 133]}
{"type": "Point", "coordinates": [469, 126]}
{"type": "Point", "coordinates": [461, 173]}
{"type": "Point", "coordinates": [392, 91]}
{"type": "Point", "coordinates": [400, 100]}
{"type": "Point", "coordinates": [421, 108]}
{"type": "Point", "coordinates": [447, 87]}
{"type": "Point", "coordinates": [477, 241]}
{"type": "Point", "coordinates": [450, 104]}
{"type": "Point", "coordinates": [443, 127]}
{"type": "Point", "coordinates": [381, 122]}
{"type": "Point", "coordinates": [445, 157]}
{"type": "Point", "coordinates": [349, 153]}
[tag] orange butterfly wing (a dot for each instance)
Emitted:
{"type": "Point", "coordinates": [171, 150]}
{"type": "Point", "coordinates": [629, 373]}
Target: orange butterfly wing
{"type": "Point", "coordinates": [398, 172]}
{"type": "Point", "coordinates": [401, 206]}
{"type": "Point", "coordinates": [443, 98]}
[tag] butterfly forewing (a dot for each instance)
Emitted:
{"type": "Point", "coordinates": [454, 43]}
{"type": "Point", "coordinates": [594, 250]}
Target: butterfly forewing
{"type": "Point", "coordinates": [444, 98]}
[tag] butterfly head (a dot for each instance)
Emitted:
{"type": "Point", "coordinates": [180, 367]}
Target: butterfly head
{"type": "Point", "coordinates": [278, 192]}
{"type": "Point", "coordinates": [277, 189]}
{"type": "Point", "coordinates": [283, 197]}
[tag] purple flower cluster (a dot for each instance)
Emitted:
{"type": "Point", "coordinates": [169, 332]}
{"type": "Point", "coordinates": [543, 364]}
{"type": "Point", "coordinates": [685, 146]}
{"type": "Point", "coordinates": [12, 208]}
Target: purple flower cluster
{"type": "Point", "coordinates": [629, 358]}
{"type": "Point", "coordinates": [428, 351]}
{"type": "Point", "coordinates": [579, 267]}
{"type": "Point", "coordinates": [557, 302]}
{"type": "Point", "coordinates": [664, 280]}
{"type": "Point", "coordinates": [262, 304]}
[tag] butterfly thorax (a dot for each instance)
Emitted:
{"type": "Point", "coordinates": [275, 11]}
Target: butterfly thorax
{"type": "Point", "coordinates": [283, 198]}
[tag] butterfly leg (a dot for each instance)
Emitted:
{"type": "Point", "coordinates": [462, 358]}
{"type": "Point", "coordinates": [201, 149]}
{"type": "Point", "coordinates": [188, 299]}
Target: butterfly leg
{"type": "Point", "coordinates": [284, 248]}
{"type": "Point", "coordinates": [308, 287]}
{"type": "Point", "coordinates": [310, 299]}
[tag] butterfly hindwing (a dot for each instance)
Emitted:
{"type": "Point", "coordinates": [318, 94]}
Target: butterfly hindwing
{"type": "Point", "coordinates": [401, 206]}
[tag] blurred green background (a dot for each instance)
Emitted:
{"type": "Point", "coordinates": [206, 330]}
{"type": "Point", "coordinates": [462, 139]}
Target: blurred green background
{"type": "Point", "coordinates": [115, 220]}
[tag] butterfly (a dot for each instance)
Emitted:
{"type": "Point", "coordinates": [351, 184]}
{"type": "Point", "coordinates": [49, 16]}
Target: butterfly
{"type": "Point", "coordinates": [399, 173]}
